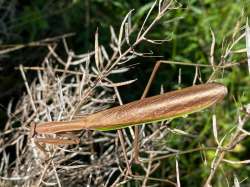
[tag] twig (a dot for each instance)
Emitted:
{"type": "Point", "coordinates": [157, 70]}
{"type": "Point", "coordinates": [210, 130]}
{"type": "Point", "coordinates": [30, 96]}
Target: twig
{"type": "Point", "coordinates": [28, 89]}
{"type": "Point", "coordinates": [212, 49]}
{"type": "Point", "coordinates": [177, 173]}
{"type": "Point", "coordinates": [148, 170]}
{"type": "Point", "coordinates": [221, 152]}
{"type": "Point", "coordinates": [39, 43]}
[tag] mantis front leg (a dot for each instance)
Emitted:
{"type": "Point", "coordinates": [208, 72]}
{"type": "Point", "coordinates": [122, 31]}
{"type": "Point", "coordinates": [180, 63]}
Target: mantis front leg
{"type": "Point", "coordinates": [58, 141]}
{"type": "Point", "coordinates": [70, 140]}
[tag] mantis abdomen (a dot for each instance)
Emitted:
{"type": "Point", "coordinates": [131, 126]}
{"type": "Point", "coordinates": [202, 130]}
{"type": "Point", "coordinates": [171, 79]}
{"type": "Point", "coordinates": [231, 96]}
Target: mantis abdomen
{"type": "Point", "coordinates": [166, 106]}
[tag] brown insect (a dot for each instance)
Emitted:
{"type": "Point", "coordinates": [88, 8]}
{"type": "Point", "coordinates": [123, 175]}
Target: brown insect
{"type": "Point", "coordinates": [161, 107]}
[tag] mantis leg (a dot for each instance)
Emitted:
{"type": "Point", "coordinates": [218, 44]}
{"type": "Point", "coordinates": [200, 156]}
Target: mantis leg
{"type": "Point", "coordinates": [58, 141]}
{"type": "Point", "coordinates": [55, 141]}
{"type": "Point", "coordinates": [70, 138]}
{"type": "Point", "coordinates": [136, 128]}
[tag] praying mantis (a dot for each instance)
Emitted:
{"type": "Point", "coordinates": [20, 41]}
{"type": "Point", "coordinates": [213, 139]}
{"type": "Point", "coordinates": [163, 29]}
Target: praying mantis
{"type": "Point", "coordinates": [161, 107]}
{"type": "Point", "coordinates": [169, 105]}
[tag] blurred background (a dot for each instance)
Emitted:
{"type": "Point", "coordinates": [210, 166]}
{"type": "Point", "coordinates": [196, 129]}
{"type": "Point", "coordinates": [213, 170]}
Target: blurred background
{"type": "Point", "coordinates": [188, 31]}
